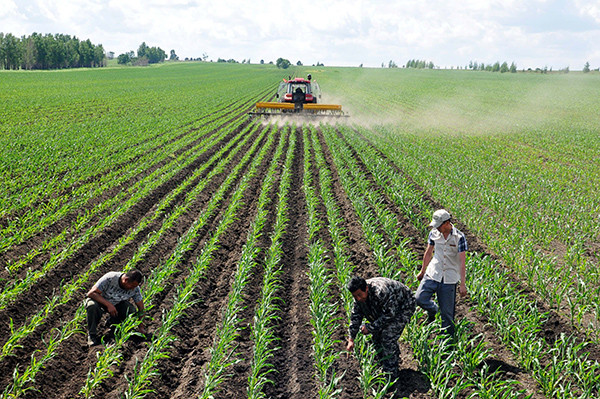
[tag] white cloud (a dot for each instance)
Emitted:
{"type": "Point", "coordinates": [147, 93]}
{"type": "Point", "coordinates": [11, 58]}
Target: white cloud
{"type": "Point", "coordinates": [333, 32]}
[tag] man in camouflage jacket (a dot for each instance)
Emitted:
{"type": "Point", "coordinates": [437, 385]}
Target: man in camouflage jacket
{"type": "Point", "coordinates": [388, 306]}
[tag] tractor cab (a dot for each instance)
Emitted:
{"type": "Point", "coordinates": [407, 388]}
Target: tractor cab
{"type": "Point", "coordinates": [298, 91]}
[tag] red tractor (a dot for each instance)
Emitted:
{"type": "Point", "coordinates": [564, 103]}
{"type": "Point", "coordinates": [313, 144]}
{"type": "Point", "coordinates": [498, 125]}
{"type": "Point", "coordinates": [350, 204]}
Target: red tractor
{"type": "Point", "coordinates": [297, 96]}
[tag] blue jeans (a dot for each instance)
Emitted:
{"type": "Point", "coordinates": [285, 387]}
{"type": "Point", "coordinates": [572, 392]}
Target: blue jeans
{"type": "Point", "coordinates": [446, 297]}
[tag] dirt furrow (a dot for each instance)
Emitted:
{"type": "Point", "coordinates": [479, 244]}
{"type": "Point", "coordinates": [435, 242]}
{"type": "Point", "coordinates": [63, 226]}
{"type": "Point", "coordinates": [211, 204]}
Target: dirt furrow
{"type": "Point", "coordinates": [293, 361]}
{"type": "Point", "coordinates": [65, 223]}
{"type": "Point", "coordinates": [411, 382]}
{"type": "Point", "coordinates": [238, 382]}
{"type": "Point", "coordinates": [502, 359]}
{"type": "Point", "coordinates": [73, 353]}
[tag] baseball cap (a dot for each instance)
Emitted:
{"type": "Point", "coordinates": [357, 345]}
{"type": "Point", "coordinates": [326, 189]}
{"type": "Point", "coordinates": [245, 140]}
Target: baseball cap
{"type": "Point", "coordinates": [439, 217]}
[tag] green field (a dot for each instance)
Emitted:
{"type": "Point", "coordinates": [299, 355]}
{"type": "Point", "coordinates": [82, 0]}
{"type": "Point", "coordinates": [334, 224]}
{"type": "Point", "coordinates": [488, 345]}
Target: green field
{"type": "Point", "coordinates": [160, 168]}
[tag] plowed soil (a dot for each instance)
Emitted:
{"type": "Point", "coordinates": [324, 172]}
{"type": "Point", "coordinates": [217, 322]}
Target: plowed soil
{"type": "Point", "coordinates": [181, 374]}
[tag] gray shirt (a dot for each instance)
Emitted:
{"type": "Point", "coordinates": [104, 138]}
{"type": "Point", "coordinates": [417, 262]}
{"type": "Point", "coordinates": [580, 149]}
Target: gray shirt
{"type": "Point", "coordinates": [112, 291]}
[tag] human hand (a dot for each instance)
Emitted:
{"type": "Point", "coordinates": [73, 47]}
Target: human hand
{"type": "Point", "coordinates": [364, 330]}
{"type": "Point", "coordinates": [462, 290]}
{"type": "Point", "coordinates": [349, 346]}
{"type": "Point", "coordinates": [420, 276]}
{"type": "Point", "coordinates": [112, 310]}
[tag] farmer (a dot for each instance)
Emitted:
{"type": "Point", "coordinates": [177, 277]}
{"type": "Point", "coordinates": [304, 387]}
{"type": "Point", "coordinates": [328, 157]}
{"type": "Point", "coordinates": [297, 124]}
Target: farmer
{"type": "Point", "coordinates": [441, 273]}
{"type": "Point", "coordinates": [111, 294]}
{"type": "Point", "coordinates": [388, 306]}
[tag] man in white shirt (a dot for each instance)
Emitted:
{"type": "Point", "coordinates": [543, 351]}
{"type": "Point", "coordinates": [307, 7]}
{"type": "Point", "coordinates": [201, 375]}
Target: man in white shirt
{"type": "Point", "coordinates": [442, 270]}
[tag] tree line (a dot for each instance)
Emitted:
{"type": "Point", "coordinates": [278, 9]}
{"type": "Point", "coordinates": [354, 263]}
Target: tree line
{"type": "Point", "coordinates": [49, 51]}
{"type": "Point", "coordinates": [496, 67]}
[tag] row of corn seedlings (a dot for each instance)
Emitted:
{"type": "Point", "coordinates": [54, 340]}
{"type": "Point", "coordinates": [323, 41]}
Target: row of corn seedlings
{"type": "Point", "coordinates": [369, 377]}
{"type": "Point", "coordinates": [357, 188]}
{"type": "Point", "coordinates": [54, 200]}
{"type": "Point", "coordinates": [322, 309]}
{"type": "Point", "coordinates": [70, 289]}
{"type": "Point", "coordinates": [112, 354]}
{"type": "Point", "coordinates": [509, 222]}
{"type": "Point", "coordinates": [138, 384]}
{"type": "Point", "coordinates": [138, 191]}
{"type": "Point", "coordinates": [444, 368]}
{"type": "Point", "coordinates": [222, 353]}
{"type": "Point", "coordinates": [94, 189]}
{"type": "Point", "coordinates": [160, 274]}
{"type": "Point", "coordinates": [22, 228]}
{"type": "Point", "coordinates": [522, 336]}
{"type": "Point", "coordinates": [265, 313]}
{"type": "Point", "coordinates": [81, 222]}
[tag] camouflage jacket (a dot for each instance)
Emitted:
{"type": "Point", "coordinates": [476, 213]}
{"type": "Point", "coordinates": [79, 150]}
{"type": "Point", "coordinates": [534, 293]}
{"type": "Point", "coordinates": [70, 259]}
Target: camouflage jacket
{"type": "Point", "coordinates": [388, 302]}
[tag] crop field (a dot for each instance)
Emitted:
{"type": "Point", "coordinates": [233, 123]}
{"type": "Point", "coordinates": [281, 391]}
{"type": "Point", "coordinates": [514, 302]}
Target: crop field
{"type": "Point", "coordinates": [248, 230]}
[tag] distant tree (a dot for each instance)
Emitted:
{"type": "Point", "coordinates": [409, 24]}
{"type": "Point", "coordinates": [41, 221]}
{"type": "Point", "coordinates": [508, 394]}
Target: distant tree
{"type": "Point", "coordinates": [513, 68]}
{"type": "Point", "coordinates": [262, 62]}
{"type": "Point", "coordinates": [86, 53]}
{"type": "Point", "coordinates": [282, 63]}
{"type": "Point", "coordinates": [299, 63]}
{"type": "Point", "coordinates": [392, 64]}
{"type": "Point", "coordinates": [155, 55]}
{"type": "Point", "coordinates": [204, 56]}
{"type": "Point", "coordinates": [11, 51]}
{"type": "Point", "coordinates": [360, 66]}
{"type": "Point", "coordinates": [504, 67]}
{"type": "Point", "coordinates": [496, 67]}
{"type": "Point", "coordinates": [142, 50]}
{"type": "Point", "coordinates": [586, 67]}
{"type": "Point", "coordinates": [173, 56]}
{"type": "Point", "coordinates": [110, 55]}
{"type": "Point", "coordinates": [126, 58]}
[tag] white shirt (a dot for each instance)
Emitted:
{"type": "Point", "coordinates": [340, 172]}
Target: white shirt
{"type": "Point", "coordinates": [445, 263]}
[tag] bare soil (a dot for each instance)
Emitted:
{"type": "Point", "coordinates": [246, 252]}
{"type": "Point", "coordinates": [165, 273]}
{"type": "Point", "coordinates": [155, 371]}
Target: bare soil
{"type": "Point", "coordinates": [181, 374]}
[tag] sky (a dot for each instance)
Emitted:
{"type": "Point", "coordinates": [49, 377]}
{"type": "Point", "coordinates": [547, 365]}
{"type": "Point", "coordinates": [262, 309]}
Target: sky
{"type": "Point", "coordinates": [530, 33]}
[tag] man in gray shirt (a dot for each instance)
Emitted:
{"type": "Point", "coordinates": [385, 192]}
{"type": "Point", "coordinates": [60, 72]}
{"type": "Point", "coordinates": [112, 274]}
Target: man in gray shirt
{"type": "Point", "coordinates": [111, 295]}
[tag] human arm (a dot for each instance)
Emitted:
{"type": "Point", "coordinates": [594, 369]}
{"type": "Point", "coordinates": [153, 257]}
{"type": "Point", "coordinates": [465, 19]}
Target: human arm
{"type": "Point", "coordinates": [140, 306]}
{"type": "Point", "coordinates": [95, 294]}
{"type": "Point", "coordinates": [462, 258]}
{"type": "Point", "coordinates": [426, 259]}
{"type": "Point", "coordinates": [356, 318]}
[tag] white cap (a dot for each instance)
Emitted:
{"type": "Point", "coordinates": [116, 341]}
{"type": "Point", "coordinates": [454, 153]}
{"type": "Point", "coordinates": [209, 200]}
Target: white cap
{"type": "Point", "coordinates": [439, 217]}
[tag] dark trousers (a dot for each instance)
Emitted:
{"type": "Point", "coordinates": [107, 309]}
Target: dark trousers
{"type": "Point", "coordinates": [95, 311]}
{"type": "Point", "coordinates": [446, 296]}
{"type": "Point", "coordinates": [387, 350]}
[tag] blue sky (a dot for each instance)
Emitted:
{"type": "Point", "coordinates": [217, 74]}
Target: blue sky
{"type": "Point", "coordinates": [531, 33]}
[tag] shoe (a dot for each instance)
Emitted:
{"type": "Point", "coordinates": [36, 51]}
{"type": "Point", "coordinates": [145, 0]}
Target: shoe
{"type": "Point", "coordinates": [93, 340]}
{"type": "Point", "coordinates": [430, 317]}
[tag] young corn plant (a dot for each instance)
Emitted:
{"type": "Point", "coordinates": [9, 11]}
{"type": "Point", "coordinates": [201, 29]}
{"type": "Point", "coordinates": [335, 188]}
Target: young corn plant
{"type": "Point", "coordinates": [265, 314]}
{"type": "Point", "coordinates": [222, 354]}
{"type": "Point", "coordinates": [322, 310]}
{"type": "Point", "coordinates": [70, 289]}
{"type": "Point", "coordinates": [160, 275]}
